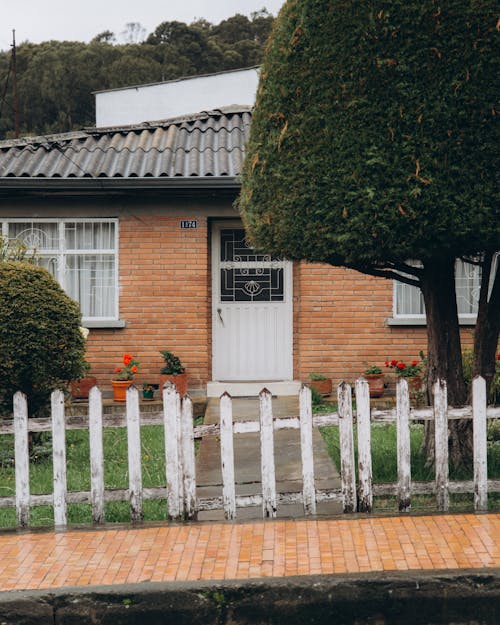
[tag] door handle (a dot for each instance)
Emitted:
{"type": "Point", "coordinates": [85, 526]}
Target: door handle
{"type": "Point", "coordinates": [219, 312]}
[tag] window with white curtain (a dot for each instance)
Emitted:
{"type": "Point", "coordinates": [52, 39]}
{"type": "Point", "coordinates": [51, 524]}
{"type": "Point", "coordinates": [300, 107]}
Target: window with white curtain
{"type": "Point", "coordinates": [81, 254]}
{"type": "Point", "coordinates": [409, 302]}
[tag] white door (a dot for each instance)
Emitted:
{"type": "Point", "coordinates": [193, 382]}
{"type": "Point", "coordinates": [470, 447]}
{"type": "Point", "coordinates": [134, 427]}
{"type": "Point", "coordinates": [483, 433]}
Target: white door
{"type": "Point", "coordinates": [252, 310]}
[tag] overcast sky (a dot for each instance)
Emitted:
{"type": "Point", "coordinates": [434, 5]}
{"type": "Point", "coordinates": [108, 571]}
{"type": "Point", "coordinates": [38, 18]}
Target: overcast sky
{"type": "Point", "coordinates": [81, 20]}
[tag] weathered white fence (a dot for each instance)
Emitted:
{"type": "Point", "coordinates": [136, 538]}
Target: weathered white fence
{"type": "Point", "coordinates": [180, 479]}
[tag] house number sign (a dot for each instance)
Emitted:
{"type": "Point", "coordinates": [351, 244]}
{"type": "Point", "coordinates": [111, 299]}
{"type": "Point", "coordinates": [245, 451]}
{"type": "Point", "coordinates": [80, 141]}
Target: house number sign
{"type": "Point", "coordinates": [189, 223]}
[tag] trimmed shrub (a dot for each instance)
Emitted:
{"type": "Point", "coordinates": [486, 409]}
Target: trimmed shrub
{"type": "Point", "coordinates": [41, 345]}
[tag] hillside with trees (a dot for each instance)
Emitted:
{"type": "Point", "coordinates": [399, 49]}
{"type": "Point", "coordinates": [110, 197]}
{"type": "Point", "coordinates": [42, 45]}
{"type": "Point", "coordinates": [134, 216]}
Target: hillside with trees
{"type": "Point", "coordinates": [55, 79]}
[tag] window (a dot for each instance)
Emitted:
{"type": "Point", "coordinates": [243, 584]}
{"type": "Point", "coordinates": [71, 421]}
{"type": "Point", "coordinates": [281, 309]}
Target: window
{"type": "Point", "coordinates": [80, 254]}
{"type": "Point", "coordinates": [409, 302]}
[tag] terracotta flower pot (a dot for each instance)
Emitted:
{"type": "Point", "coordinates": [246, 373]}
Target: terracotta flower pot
{"type": "Point", "coordinates": [80, 388]}
{"type": "Point", "coordinates": [324, 387]}
{"type": "Point", "coordinates": [376, 384]}
{"type": "Point", "coordinates": [120, 389]}
{"type": "Point", "coordinates": [180, 381]}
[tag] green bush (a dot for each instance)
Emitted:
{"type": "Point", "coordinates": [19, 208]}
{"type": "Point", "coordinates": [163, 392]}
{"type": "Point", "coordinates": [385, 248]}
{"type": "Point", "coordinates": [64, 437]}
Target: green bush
{"type": "Point", "coordinates": [42, 347]}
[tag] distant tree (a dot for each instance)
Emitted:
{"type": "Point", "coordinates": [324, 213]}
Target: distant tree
{"type": "Point", "coordinates": [105, 37]}
{"type": "Point", "coordinates": [134, 33]}
{"type": "Point", "coordinates": [372, 147]}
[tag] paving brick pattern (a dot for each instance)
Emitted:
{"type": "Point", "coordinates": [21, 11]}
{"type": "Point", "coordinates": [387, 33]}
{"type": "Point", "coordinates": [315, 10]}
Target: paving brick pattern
{"type": "Point", "coordinates": [218, 551]}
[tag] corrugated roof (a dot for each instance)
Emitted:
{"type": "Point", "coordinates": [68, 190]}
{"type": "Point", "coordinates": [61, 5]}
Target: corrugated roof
{"type": "Point", "coordinates": [208, 144]}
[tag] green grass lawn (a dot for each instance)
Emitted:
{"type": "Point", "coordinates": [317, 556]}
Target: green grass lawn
{"type": "Point", "coordinates": [384, 464]}
{"type": "Point", "coordinates": [78, 474]}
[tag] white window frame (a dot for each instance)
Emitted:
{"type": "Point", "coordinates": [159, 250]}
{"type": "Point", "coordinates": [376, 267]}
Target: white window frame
{"type": "Point", "coordinates": [62, 252]}
{"type": "Point", "coordinates": [419, 318]}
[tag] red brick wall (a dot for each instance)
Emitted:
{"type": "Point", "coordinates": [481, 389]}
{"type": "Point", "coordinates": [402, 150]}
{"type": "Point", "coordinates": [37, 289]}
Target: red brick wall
{"type": "Point", "coordinates": [163, 285]}
{"type": "Point", "coordinates": [340, 323]}
{"type": "Point", "coordinates": [165, 294]}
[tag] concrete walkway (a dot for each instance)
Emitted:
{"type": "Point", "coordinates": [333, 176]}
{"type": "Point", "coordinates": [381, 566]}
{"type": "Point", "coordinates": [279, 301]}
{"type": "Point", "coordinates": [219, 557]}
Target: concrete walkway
{"type": "Point", "coordinates": [247, 461]}
{"type": "Point", "coordinates": [225, 551]}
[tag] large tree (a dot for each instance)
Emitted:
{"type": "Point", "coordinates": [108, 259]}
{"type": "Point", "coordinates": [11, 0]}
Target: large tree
{"type": "Point", "coordinates": [373, 147]}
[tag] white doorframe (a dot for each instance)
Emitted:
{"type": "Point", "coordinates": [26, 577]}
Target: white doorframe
{"type": "Point", "coordinates": [276, 347]}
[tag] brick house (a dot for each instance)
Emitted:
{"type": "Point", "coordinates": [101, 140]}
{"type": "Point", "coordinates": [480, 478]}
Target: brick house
{"type": "Point", "coordinates": [137, 223]}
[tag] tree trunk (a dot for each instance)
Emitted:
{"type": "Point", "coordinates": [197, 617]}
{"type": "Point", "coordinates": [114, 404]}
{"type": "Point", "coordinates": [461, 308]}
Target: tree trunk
{"type": "Point", "coordinates": [444, 354]}
{"type": "Point", "coordinates": [488, 324]}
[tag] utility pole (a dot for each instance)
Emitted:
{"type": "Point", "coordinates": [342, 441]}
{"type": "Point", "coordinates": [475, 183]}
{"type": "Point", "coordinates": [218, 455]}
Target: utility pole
{"type": "Point", "coordinates": [14, 79]}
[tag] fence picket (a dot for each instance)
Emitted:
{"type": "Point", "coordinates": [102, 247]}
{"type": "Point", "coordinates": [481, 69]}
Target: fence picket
{"type": "Point", "coordinates": [403, 445]}
{"type": "Point", "coordinates": [22, 465]}
{"type": "Point", "coordinates": [306, 450]}
{"type": "Point", "coordinates": [365, 487]}
{"type": "Point", "coordinates": [171, 405]}
{"type": "Point", "coordinates": [188, 459]}
{"type": "Point", "coordinates": [96, 455]}
{"type": "Point", "coordinates": [59, 457]}
{"type": "Point", "coordinates": [227, 456]}
{"type": "Point", "coordinates": [269, 500]}
{"type": "Point", "coordinates": [479, 401]}
{"type": "Point", "coordinates": [441, 445]}
{"type": "Point", "coordinates": [347, 469]}
{"type": "Point", "coordinates": [134, 454]}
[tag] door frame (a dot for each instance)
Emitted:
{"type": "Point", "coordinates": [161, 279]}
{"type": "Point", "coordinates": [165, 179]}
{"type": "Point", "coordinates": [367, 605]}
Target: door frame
{"type": "Point", "coordinates": [217, 226]}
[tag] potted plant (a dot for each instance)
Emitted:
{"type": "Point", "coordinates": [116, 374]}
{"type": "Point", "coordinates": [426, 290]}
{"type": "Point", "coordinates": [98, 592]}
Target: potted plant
{"type": "Point", "coordinates": [173, 371]}
{"type": "Point", "coordinates": [321, 383]}
{"type": "Point", "coordinates": [375, 379]}
{"type": "Point", "coordinates": [411, 372]}
{"type": "Point", "coordinates": [124, 377]}
{"type": "Point", "coordinates": [148, 391]}
{"type": "Point", "coordinates": [80, 387]}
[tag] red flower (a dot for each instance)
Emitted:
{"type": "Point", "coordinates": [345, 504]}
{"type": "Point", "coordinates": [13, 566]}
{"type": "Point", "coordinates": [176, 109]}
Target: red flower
{"type": "Point", "coordinates": [386, 363]}
{"type": "Point", "coordinates": [498, 356]}
{"type": "Point", "coordinates": [134, 369]}
{"type": "Point", "coordinates": [118, 369]}
{"type": "Point", "coordinates": [394, 363]}
{"type": "Point", "coordinates": [414, 363]}
{"type": "Point", "coordinates": [401, 365]}
{"type": "Point", "coordinates": [126, 359]}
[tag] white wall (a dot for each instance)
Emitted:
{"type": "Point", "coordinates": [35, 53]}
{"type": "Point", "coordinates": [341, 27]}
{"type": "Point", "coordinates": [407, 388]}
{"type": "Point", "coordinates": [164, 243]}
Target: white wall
{"type": "Point", "coordinates": [133, 105]}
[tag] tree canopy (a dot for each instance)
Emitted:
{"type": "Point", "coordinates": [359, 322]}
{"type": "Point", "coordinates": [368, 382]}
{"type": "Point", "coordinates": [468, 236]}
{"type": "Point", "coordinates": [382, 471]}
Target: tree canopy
{"type": "Point", "coordinates": [374, 134]}
{"type": "Point", "coordinates": [373, 147]}
{"type": "Point", "coordinates": [56, 78]}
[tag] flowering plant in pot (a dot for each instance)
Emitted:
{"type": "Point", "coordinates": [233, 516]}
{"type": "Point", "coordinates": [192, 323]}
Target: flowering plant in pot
{"type": "Point", "coordinates": [173, 371]}
{"type": "Point", "coordinates": [124, 376]}
{"type": "Point", "coordinates": [375, 379]}
{"type": "Point", "coordinates": [321, 383]}
{"type": "Point", "coordinates": [410, 371]}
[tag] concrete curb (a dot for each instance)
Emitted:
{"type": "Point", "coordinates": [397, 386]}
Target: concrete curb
{"type": "Point", "coordinates": [458, 597]}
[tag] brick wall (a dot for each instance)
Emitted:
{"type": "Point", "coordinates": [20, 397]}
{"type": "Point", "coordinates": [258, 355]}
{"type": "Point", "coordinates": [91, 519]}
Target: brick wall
{"type": "Point", "coordinates": [340, 323]}
{"type": "Point", "coordinates": [165, 295]}
{"type": "Point", "coordinates": [163, 286]}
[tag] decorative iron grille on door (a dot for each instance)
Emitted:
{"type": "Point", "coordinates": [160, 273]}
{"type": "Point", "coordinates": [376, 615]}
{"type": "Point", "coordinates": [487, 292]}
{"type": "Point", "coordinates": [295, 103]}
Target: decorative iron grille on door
{"type": "Point", "coordinates": [245, 274]}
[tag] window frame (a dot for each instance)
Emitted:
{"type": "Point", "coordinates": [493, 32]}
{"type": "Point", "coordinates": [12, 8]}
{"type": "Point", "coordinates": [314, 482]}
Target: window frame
{"type": "Point", "coordinates": [62, 252]}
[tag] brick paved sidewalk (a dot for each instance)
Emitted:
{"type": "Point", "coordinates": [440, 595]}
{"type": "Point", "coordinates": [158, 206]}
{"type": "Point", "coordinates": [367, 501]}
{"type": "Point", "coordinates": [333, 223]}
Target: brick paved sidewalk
{"type": "Point", "coordinates": [222, 551]}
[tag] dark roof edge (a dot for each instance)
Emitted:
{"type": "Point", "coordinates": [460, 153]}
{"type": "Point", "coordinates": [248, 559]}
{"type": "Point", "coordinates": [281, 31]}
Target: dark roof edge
{"type": "Point", "coordinates": [119, 184]}
{"type": "Point", "coordinates": [180, 79]}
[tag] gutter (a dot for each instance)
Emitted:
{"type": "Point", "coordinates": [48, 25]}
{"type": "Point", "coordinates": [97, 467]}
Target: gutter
{"type": "Point", "coordinates": [118, 184]}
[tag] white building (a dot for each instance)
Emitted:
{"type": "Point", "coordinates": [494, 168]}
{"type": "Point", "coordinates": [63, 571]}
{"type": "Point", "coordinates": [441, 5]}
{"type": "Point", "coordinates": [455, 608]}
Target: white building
{"type": "Point", "coordinates": [165, 100]}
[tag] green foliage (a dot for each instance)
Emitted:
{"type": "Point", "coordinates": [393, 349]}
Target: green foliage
{"type": "Point", "coordinates": [467, 362]}
{"type": "Point", "coordinates": [373, 137]}
{"type": "Point", "coordinates": [56, 78]}
{"type": "Point", "coordinates": [42, 345]}
{"type": "Point", "coordinates": [173, 365]}
{"type": "Point", "coordinates": [317, 376]}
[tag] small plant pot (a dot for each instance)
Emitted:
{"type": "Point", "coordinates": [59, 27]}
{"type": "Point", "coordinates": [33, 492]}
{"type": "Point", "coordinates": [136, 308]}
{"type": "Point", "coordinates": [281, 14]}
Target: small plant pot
{"type": "Point", "coordinates": [80, 388]}
{"type": "Point", "coordinates": [179, 380]}
{"type": "Point", "coordinates": [376, 384]}
{"type": "Point", "coordinates": [120, 389]}
{"type": "Point", "coordinates": [323, 387]}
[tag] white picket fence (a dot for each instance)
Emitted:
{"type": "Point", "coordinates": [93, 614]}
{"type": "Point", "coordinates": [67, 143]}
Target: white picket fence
{"type": "Point", "coordinates": [180, 480]}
